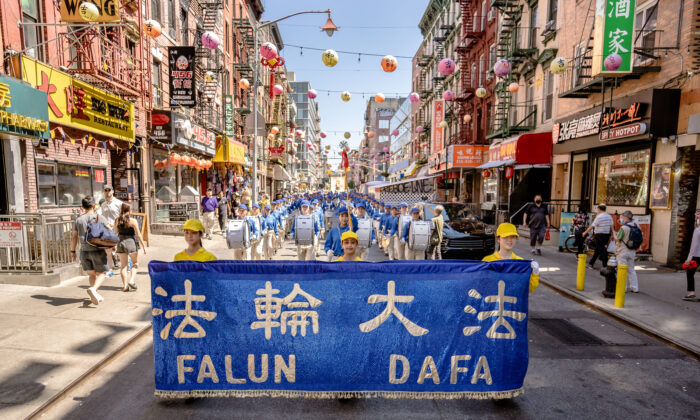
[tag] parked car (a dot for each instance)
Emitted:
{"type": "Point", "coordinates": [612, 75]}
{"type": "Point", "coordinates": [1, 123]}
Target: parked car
{"type": "Point", "coordinates": [465, 236]}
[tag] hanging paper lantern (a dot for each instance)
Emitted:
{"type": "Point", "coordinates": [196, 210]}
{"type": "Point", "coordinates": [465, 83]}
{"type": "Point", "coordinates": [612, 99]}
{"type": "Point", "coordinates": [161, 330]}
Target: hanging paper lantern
{"type": "Point", "coordinates": [312, 94]}
{"type": "Point", "coordinates": [208, 76]}
{"type": "Point", "coordinates": [268, 50]}
{"type": "Point", "coordinates": [513, 87]}
{"type": "Point", "coordinates": [501, 68]}
{"type": "Point", "coordinates": [389, 63]}
{"type": "Point", "coordinates": [379, 97]}
{"type": "Point", "coordinates": [174, 158]}
{"type": "Point", "coordinates": [371, 156]}
{"type": "Point", "coordinates": [275, 130]}
{"type": "Point", "coordinates": [322, 134]}
{"type": "Point", "coordinates": [385, 149]}
{"type": "Point", "coordinates": [289, 140]}
{"type": "Point", "coordinates": [366, 149]}
{"type": "Point", "coordinates": [298, 133]}
{"type": "Point", "coordinates": [558, 65]}
{"type": "Point", "coordinates": [486, 173]}
{"type": "Point", "coordinates": [414, 97]}
{"type": "Point", "coordinates": [330, 58]}
{"type": "Point", "coordinates": [443, 124]}
{"type": "Point", "coordinates": [446, 66]}
{"type": "Point", "coordinates": [270, 136]}
{"type": "Point", "coordinates": [210, 40]}
{"type": "Point", "coordinates": [481, 92]}
{"type": "Point", "coordinates": [326, 151]}
{"type": "Point", "coordinates": [346, 135]}
{"type": "Point", "coordinates": [467, 118]}
{"type": "Point", "coordinates": [243, 84]}
{"type": "Point", "coordinates": [88, 11]}
{"type": "Point", "coordinates": [345, 96]}
{"type": "Point", "coordinates": [370, 135]}
{"type": "Point", "coordinates": [328, 147]}
{"type": "Point", "coordinates": [509, 172]}
{"type": "Point", "coordinates": [152, 28]}
{"type": "Point", "coordinates": [277, 89]}
{"type": "Point", "coordinates": [419, 129]}
{"type": "Point", "coordinates": [395, 132]}
{"type": "Point", "coordinates": [612, 62]}
{"type": "Point", "coordinates": [448, 95]}
{"type": "Point", "coordinates": [308, 145]}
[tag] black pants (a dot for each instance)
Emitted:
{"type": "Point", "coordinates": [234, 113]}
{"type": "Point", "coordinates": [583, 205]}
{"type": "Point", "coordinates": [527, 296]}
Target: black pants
{"type": "Point", "coordinates": [601, 248]}
{"type": "Point", "coordinates": [690, 275]}
{"type": "Point", "coordinates": [578, 241]}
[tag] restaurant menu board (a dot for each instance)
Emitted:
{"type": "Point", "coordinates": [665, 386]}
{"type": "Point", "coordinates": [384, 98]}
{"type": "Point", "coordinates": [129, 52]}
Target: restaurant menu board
{"type": "Point", "coordinates": [176, 212]}
{"type": "Point", "coordinates": [142, 221]}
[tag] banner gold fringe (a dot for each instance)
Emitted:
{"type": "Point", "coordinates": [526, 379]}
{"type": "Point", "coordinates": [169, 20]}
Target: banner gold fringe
{"type": "Point", "coordinates": [496, 395]}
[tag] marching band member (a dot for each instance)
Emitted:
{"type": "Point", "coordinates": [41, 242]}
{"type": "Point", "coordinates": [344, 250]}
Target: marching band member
{"type": "Point", "coordinates": [391, 228]}
{"type": "Point", "coordinates": [362, 215]}
{"type": "Point", "coordinates": [349, 242]}
{"type": "Point", "coordinates": [333, 244]}
{"type": "Point", "coordinates": [507, 236]}
{"type": "Point", "coordinates": [382, 224]}
{"type": "Point", "coordinates": [399, 251]}
{"type": "Point", "coordinates": [411, 254]}
{"type": "Point", "coordinates": [270, 231]}
{"type": "Point", "coordinates": [243, 253]}
{"type": "Point", "coordinates": [318, 218]}
{"type": "Point", "coordinates": [256, 244]}
{"type": "Point", "coordinates": [306, 252]}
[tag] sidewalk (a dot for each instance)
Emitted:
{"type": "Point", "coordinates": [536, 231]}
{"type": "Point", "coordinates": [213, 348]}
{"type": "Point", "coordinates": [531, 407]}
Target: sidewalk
{"type": "Point", "coordinates": [657, 308]}
{"type": "Point", "coordinates": [51, 336]}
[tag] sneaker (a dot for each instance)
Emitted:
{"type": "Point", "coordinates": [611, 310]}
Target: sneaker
{"type": "Point", "coordinates": [93, 295]}
{"type": "Point", "coordinates": [533, 252]}
{"type": "Point", "coordinates": [110, 273]}
{"type": "Point", "coordinates": [539, 252]}
{"type": "Point", "coordinates": [634, 290]}
{"type": "Point", "coordinates": [690, 298]}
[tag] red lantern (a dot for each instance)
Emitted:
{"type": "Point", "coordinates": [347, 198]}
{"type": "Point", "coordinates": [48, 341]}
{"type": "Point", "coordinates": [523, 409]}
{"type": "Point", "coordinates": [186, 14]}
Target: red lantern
{"type": "Point", "coordinates": [486, 173]}
{"type": "Point", "coordinates": [509, 172]}
{"type": "Point", "coordinates": [174, 158]}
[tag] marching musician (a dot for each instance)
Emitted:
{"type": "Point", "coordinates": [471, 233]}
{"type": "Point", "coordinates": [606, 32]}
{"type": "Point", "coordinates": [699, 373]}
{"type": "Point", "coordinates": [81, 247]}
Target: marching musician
{"type": "Point", "coordinates": [306, 252]}
{"type": "Point", "coordinates": [506, 237]}
{"type": "Point", "coordinates": [400, 248]}
{"type": "Point", "coordinates": [270, 229]}
{"type": "Point", "coordinates": [256, 244]}
{"type": "Point", "coordinates": [385, 214]}
{"type": "Point", "coordinates": [409, 253]}
{"type": "Point", "coordinates": [243, 253]}
{"type": "Point", "coordinates": [391, 229]}
{"type": "Point", "coordinates": [318, 218]}
{"type": "Point", "coordinates": [333, 246]}
{"type": "Point", "coordinates": [349, 242]}
{"type": "Point", "coordinates": [362, 215]}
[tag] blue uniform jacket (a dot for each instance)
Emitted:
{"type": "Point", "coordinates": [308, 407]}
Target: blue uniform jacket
{"type": "Point", "coordinates": [269, 223]}
{"type": "Point", "coordinates": [392, 225]}
{"type": "Point", "coordinates": [333, 240]}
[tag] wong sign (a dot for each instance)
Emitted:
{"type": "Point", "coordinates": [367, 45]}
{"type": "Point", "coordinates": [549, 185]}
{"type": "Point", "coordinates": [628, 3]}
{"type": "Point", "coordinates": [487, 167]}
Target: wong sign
{"type": "Point", "coordinates": [402, 329]}
{"type": "Point", "coordinates": [613, 34]}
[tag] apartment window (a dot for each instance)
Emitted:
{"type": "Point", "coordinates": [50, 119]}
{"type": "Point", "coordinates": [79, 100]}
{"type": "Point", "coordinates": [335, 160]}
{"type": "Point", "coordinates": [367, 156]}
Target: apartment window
{"type": "Point", "coordinates": [157, 84]}
{"type": "Point", "coordinates": [184, 27]}
{"type": "Point", "coordinates": [548, 96]}
{"type": "Point", "coordinates": [530, 101]}
{"type": "Point", "coordinates": [481, 70]}
{"type": "Point", "coordinates": [518, 35]}
{"type": "Point", "coordinates": [227, 45]}
{"type": "Point", "coordinates": [171, 18]}
{"type": "Point", "coordinates": [383, 139]}
{"type": "Point", "coordinates": [646, 37]}
{"type": "Point", "coordinates": [31, 13]}
{"type": "Point", "coordinates": [533, 27]}
{"type": "Point", "coordinates": [383, 124]}
{"type": "Point", "coordinates": [155, 11]}
{"type": "Point", "coordinates": [475, 23]}
{"type": "Point", "coordinates": [483, 15]}
{"type": "Point", "coordinates": [492, 56]}
{"type": "Point", "coordinates": [552, 15]}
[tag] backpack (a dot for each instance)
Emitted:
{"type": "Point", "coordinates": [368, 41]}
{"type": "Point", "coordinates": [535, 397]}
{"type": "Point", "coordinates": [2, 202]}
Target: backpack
{"type": "Point", "coordinates": [99, 236]}
{"type": "Point", "coordinates": [635, 238]}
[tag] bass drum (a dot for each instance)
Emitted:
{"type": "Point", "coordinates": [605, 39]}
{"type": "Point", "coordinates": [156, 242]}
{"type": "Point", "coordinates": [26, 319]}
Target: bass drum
{"type": "Point", "coordinates": [237, 234]}
{"type": "Point", "coordinates": [419, 235]}
{"type": "Point", "coordinates": [304, 230]}
{"type": "Point", "coordinates": [364, 233]}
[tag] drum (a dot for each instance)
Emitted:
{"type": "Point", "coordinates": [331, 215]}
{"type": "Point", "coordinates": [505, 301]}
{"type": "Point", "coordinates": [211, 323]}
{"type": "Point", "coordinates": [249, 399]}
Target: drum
{"type": "Point", "coordinates": [238, 234]}
{"type": "Point", "coordinates": [364, 233]}
{"type": "Point", "coordinates": [329, 214]}
{"type": "Point", "coordinates": [304, 230]}
{"type": "Point", "coordinates": [419, 235]}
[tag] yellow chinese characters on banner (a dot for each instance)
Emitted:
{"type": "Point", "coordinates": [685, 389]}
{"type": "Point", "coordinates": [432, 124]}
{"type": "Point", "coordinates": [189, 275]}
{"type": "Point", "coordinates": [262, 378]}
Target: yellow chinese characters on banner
{"type": "Point", "coordinates": [109, 10]}
{"type": "Point", "coordinates": [438, 133]}
{"type": "Point", "coordinates": [76, 104]}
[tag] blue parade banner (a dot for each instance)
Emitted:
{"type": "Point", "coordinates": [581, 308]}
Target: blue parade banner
{"type": "Point", "coordinates": [400, 329]}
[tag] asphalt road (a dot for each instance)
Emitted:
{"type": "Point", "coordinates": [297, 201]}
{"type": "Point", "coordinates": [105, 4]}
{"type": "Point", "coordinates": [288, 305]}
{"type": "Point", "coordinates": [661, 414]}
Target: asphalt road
{"type": "Point", "coordinates": [583, 364]}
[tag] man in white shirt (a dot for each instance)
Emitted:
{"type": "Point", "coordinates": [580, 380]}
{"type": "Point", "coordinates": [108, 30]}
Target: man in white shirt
{"type": "Point", "coordinates": [108, 213]}
{"type": "Point", "coordinates": [602, 228]}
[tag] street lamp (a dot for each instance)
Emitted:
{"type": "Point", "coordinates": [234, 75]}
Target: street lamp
{"type": "Point", "coordinates": [329, 28]}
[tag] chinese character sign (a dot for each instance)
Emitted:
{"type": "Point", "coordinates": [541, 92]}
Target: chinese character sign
{"type": "Point", "coordinates": [228, 115]}
{"type": "Point", "coordinates": [438, 133]}
{"type": "Point", "coordinates": [614, 34]}
{"type": "Point", "coordinates": [450, 329]}
{"type": "Point", "coordinates": [181, 68]}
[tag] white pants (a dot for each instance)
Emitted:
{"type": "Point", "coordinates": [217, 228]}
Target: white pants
{"type": "Point", "coordinates": [306, 253]}
{"type": "Point", "coordinates": [362, 253]}
{"type": "Point", "coordinates": [241, 254]}
{"type": "Point", "coordinates": [391, 249]}
{"type": "Point", "coordinates": [627, 258]}
{"type": "Point", "coordinates": [256, 250]}
{"type": "Point", "coordinates": [269, 244]}
{"type": "Point", "coordinates": [209, 221]}
{"type": "Point", "coordinates": [413, 255]}
{"type": "Point", "coordinates": [399, 249]}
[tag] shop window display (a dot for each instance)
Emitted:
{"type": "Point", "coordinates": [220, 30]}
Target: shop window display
{"type": "Point", "coordinates": [165, 178]}
{"type": "Point", "coordinates": [622, 179]}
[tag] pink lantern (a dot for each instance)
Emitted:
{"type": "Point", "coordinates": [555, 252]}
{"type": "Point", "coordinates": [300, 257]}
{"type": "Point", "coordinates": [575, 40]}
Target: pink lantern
{"type": "Point", "coordinates": [395, 132]}
{"type": "Point", "coordinates": [446, 66]}
{"type": "Point", "coordinates": [366, 149]}
{"type": "Point", "coordinates": [414, 97]}
{"type": "Point", "coordinates": [326, 151]}
{"type": "Point", "coordinates": [513, 87]}
{"type": "Point", "coordinates": [371, 156]}
{"type": "Point", "coordinates": [289, 140]}
{"type": "Point", "coordinates": [298, 133]}
{"type": "Point", "coordinates": [352, 165]}
{"type": "Point", "coordinates": [419, 129]}
{"type": "Point", "coordinates": [385, 149]}
{"type": "Point", "coordinates": [309, 145]}
{"type": "Point", "coordinates": [322, 134]}
{"type": "Point", "coordinates": [210, 40]}
{"type": "Point", "coordinates": [448, 95]}
{"type": "Point", "coordinates": [502, 68]}
{"type": "Point", "coordinates": [312, 94]}
{"type": "Point", "coordinates": [268, 50]}
{"type": "Point", "coordinates": [612, 62]}
{"type": "Point", "coordinates": [277, 89]}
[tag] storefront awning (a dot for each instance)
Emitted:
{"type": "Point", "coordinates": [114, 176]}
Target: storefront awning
{"type": "Point", "coordinates": [280, 174]}
{"type": "Point", "coordinates": [403, 181]}
{"type": "Point", "coordinates": [229, 151]}
{"type": "Point", "coordinates": [526, 149]}
{"type": "Point", "coordinates": [496, 164]}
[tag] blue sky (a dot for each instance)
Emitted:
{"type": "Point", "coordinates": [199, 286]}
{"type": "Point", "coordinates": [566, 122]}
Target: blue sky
{"type": "Point", "coordinates": [377, 26]}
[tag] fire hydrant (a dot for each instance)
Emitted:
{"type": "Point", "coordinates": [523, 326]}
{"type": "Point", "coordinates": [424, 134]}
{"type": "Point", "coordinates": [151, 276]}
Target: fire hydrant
{"type": "Point", "coordinates": [610, 274]}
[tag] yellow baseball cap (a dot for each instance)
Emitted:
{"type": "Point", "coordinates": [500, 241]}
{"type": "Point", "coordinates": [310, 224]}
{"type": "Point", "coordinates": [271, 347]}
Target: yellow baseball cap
{"type": "Point", "coordinates": [506, 229]}
{"type": "Point", "coordinates": [349, 235]}
{"type": "Point", "coordinates": [194, 225]}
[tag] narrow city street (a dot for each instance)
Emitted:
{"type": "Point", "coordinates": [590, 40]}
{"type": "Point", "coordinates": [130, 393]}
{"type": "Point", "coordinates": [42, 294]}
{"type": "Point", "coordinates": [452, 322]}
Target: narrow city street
{"type": "Point", "coordinates": [581, 361]}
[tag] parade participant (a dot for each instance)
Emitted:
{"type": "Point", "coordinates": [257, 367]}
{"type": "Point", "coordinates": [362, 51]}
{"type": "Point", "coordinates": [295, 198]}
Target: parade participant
{"type": "Point", "coordinates": [256, 244]}
{"type": "Point", "coordinates": [305, 239]}
{"type": "Point", "coordinates": [506, 237]}
{"type": "Point", "coordinates": [400, 248]}
{"type": "Point", "coordinates": [318, 219]}
{"type": "Point", "coordinates": [92, 259]}
{"type": "Point", "coordinates": [333, 247]}
{"type": "Point", "coordinates": [194, 231]}
{"type": "Point", "coordinates": [382, 226]}
{"type": "Point", "coordinates": [362, 215]}
{"type": "Point", "coordinates": [349, 242]}
{"type": "Point", "coordinates": [409, 253]}
{"type": "Point", "coordinates": [270, 231]}
{"type": "Point", "coordinates": [391, 228]}
{"type": "Point", "coordinates": [128, 246]}
{"type": "Point", "coordinates": [244, 253]}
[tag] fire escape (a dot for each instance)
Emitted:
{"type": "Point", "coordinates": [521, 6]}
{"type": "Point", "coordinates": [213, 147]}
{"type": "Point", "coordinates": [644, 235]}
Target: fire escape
{"type": "Point", "coordinates": [470, 36]}
{"type": "Point", "coordinates": [210, 65]}
{"type": "Point", "coordinates": [243, 63]}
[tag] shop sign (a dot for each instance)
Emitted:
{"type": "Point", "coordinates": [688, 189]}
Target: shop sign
{"type": "Point", "coordinates": [621, 116]}
{"type": "Point", "coordinates": [614, 34]}
{"type": "Point", "coordinates": [437, 132]}
{"type": "Point", "coordinates": [465, 156]}
{"type": "Point", "coordinates": [228, 115]}
{"type": "Point", "coordinates": [587, 125]}
{"type": "Point", "coordinates": [436, 161]}
{"type": "Point", "coordinates": [23, 109]}
{"type": "Point", "coordinates": [236, 152]}
{"type": "Point", "coordinates": [74, 103]}
{"type": "Point", "coordinates": [181, 70]}
{"type": "Point", "coordinates": [11, 235]}
{"type": "Point", "coordinates": [503, 151]}
{"type": "Point", "coordinates": [622, 132]}
{"type": "Point", "coordinates": [162, 126]}
{"type": "Point", "coordinates": [203, 139]}
{"type": "Point", "coordinates": [109, 10]}
{"type": "Point", "coordinates": [276, 152]}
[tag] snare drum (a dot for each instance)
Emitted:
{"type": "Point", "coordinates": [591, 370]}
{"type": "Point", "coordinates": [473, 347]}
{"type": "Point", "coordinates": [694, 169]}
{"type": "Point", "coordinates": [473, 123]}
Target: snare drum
{"type": "Point", "coordinates": [364, 233]}
{"type": "Point", "coordinates": [419, 235]}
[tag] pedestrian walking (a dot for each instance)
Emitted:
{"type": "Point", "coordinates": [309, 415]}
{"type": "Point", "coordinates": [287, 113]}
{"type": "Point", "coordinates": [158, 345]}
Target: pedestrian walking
{"type": "Point", "coordinates": [692, 261]}
{"type": "Point", "coordinates": [601, 227]}
{"type": "Point", "coordinates": [507, 237]}
{"type": "Point", "coordinates": [224, 211]}
{"type": "Point", "coordinates": [627, 241]}
{"type": "Point", "coordinates": [578, 226]}
{"type": "Point", "coordinates": [109, 210]}
{"type": "Point", "coordinates": [349, 241]}
{"type": "Point", "coordinates": [536, 217]}
{"type": "Point", "coordinates": [92, 259]}
{"type": "Point", "coordinates": [439, 224]}
{"type": "Point", "coordinates": [128, 247]}
{"type": "Point", "coordinates": [194, 231]}
{"type": "Point", "coordinates": [209, 207]}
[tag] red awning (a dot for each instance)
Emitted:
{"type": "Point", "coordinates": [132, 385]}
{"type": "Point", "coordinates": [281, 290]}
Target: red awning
{"type": "Point", "coordinates": [526, 149]}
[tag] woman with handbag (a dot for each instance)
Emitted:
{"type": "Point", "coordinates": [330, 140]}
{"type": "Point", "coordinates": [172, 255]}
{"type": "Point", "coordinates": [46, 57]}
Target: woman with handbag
{"type": "Point", "coordinates": [128, 246]}
{"type": "Point", "coordinates": [436, 235]}
{"type": "Point", "coordinates": [578, 226]}
{"type": "Point", "coordinates": [691, 263]}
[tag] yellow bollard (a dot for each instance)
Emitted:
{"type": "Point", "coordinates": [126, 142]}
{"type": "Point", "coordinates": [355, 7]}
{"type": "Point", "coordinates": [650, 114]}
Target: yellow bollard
{"type": "Point", "coordinates": [621, 286]}
{"type": "Point", "coordinates": [581, 273]}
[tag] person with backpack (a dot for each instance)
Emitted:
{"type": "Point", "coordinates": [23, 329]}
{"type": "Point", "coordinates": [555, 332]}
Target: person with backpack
{"type": "Point", "coordinates": [627, 241]}
{"type": "Point", "coordinates": [92, 259]}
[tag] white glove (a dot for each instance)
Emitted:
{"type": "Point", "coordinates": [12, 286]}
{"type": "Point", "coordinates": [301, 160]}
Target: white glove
{"type": "Point", "coordinates": [535, 267]}
{"type": "Point", "coordinates": [330, 253]}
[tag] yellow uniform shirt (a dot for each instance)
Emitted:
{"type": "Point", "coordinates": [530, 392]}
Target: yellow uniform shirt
{"type": "Point", "coordinates": [343, 259]}
{"type": "Point", "coordinates": [534, 278]}
{"type": "Point", "coordinates": [200, 255]}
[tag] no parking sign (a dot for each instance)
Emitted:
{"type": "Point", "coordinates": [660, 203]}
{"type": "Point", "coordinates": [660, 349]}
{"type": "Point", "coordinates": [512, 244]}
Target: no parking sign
{"type": "Point", "coordinates": [11, 235]}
